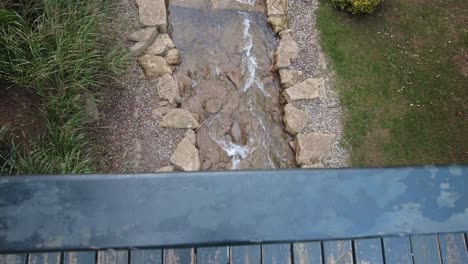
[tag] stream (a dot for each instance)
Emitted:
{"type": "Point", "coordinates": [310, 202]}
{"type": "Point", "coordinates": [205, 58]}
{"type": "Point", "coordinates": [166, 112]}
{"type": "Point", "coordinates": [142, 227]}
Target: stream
{"type": "Point", "coordinates": [226, 51]}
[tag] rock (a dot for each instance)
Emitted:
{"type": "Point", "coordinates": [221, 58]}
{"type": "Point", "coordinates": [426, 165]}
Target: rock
{"type": "Point", "coordinates": [185, 157]}
{"type": "Point", "coordinates": [166, 169]}
{"type": "Point", "coordinates": [290, 78]}
{"type": "Point", "coordinates": [313, 166]}
{"type": "Point", "coordinates": [137, 46]}
{"type": "Point", "coordinates": [90, 107]}
{"type": "Point", "coordinates": [292, 145]}
{"type": "Point", "coordinates": [213, 106]}
{"type": "Point", "coordinates": [235, 77]}
{"type": "Point", "coordinates": [286, 51]}
{"type": "Point", "coordinates": [311, 148]}
{"type": "Point", "coordinates": [168, 89]}
{"type": "Point", "coordinates": [161, 45]}
{"type": "Point", "coordinates": [160, 111]}
{"type": "Point", "coordinates": [142, 35]}
{"type": "Point", "coordinates": [294, 119]}
{"type": "Point", "coordinates": [191, 136]}
{"type": "Point", "coordinates": [154, 66]}
{"type": "Point", "coordinates": [277, 7]}
{"type": "Point", "coordinates": [163, 103]}
{"type": "Point", "coordinates": [172, 57]}
{"type": "Point", "coordinates": [179, 118]}
{"type": "Point", "coordinates": [278, 23]}
{"type": "Point", "coordinates": [153, 13]}
{"type": "Point", "coordinates": [306, 90]}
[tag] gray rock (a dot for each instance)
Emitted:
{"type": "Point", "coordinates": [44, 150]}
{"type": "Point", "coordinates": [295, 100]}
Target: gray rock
{"type": "Point", "coordinates": [166, 169]}
{"type": "Point", "coordinates": [286, 51]}
{"type": "Point", "coordinates": [173, 57]}
{"type": "Point", "coordinates": [290, 78]}
{"type": "Point", "coordinates": [153, 13]}
{"type": "Point", "coordinates": [277, 7]}
{"type": "Point", "coordinates": [311, 148]}
{"type": "Point", "coordinates": [278, 23]}
{"type": "Point", "coordinates": [213, 106]}
{"type": "Point", "coordinates": [294, 119]}
{"type": "Point", "coordinates": [160, 111]}
{"type": "Point", "coordinates": [306, 90]}
{"type": "Point", "coordinates": [161, 45]}
{"type": "Point", "coordinates": [313, 166]}
{"type": "Point", "coordinates": [168, 89]}
{"type": "Point", "coordinates": [180, 118]}
{"type": "Point", "coordinates": [190, 134]}
{"type": "Point", "coordinates": [142, 35]}
{"type": "Point", "coordinates": [154, 66]}
{"type": "Point", "coordinates": [137, 46]}
{"type": "Point", "coordinates": [186, 157]}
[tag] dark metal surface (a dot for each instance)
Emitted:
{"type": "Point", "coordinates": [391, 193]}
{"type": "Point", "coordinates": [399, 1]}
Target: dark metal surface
{"type": "Point", "coordinates": [105, 211]}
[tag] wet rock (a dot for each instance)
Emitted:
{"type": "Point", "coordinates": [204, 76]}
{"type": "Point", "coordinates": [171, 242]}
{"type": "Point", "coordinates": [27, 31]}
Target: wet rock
{"type": "Point", "coordinates": [313, 166]}
{"type": "Point", "coordinates": [311, 148]}
{"type": "Point", "coordinates": [213, 106]}
{"type": "Point", "coordinates": [154, 66]}
{"type": "Point", "coordinates": [153, 13]}
{"type": "Point", "coordinates": [160, 111]}
{"type": "Point", "coordinates": [306, 90]}
{"type": "Point", "coordinates": [290, 78]}
{"type": "Point", "coordinates": [278, 23]}
{"type": "Point", "coordinates": [161, 45]}
{"type": "Point", "coordinates": [166, 169]}
{"type": "Point", "coordinates": [142, 35]}
{"type": "Point", "coordinates": [235, 77]}
{"type": "Point", "coordinates": [186, 156]}
{"type": "Point", "coordinates": [294, 119]}
{"type": "Point", "coordinates": [286, 51]}
{"type": "Point", "coordinates": [277, 7]}
{"type": "Point", "coordinates": [180, 118]}
{"type": "Point", "coordinates": [172, 57]}
{"type": "Point", "coordinates": [168, 89]}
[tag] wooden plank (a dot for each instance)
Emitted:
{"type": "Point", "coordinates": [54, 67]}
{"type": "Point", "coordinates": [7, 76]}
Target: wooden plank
{"type": "Point", "coordinates": [13, 259]}
{"type": "Point", "coordinates": [338, 252]}
{"type": "Point", "coordinates": [453, 248]}
{"type": "Point", "coordinates": [425, 249]}
{"type": "Point", "coordinates": [276, 254]}
{"type": "Point", "coordinates": [397, 250]}
{"type": "Point", "coordinates": [215, 255]}
{"type": "Point", "coordinates": [146, 256]}
{"type": "Point", "coordinates": [245, 254]}
{"type": "Point", "coordinates": [368, 251]}
{"type": "Point", "coordinates": [307, 253]}
{"type": "Point", "coordinates": [179, 256]}
{"type": "Point", "coordinates": [112, 257]}
{"type": "Point", "coordinates": [79, 257]}
{"type": "Point", "coordinates": [44, 258]}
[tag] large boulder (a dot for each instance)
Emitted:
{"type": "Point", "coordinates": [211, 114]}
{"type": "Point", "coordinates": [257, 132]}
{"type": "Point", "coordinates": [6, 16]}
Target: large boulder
{"type": "Point", "coordinates": [286, 51]}
{"type": "Point", "coordinates": [278, 23]}
{"type": "Point", "coordinates": [311, 148]}
{"type": "Point", "coordinates": [277, 7]}
{"type": "Point", "coordinates": [142, 35]}
{"type": "Point", "coordinates": [168, 89]}
{"type": "Point", "coordinates": [294, 119]}
{"type": "Point", "coordinates": [173, 57]}
{"type": "Point", "coordinates": [154, 66]}
{"type": "Point", "coordinates": [179, 118]}
{"type": "Point", "coordinates": [290, 78]}
{"type": "Point", "coordinates": [306, 90]}
{"type": "Point", "coordinates": [161, 45]}
{"type": "Point", "coordinates": [153, 13]}
{"type": "Point", "coordinates": [186, 157]}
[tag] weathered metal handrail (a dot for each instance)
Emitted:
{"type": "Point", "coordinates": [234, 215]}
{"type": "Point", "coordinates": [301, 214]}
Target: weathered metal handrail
{"type": "Point", "coordinates": [174, 209]}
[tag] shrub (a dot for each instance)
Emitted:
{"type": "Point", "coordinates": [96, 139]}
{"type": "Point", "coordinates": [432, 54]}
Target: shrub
{"type": "Point", "coordinates": [357, 6]}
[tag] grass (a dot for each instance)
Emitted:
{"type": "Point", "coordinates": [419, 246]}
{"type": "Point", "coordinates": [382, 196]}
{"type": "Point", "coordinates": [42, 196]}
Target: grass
{"type": "Point", "coordinates": [59, 50]}
{"type": "Point", "coordinates": [400, 75]}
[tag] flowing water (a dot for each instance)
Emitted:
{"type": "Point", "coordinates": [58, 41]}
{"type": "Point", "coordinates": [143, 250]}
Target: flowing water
{"type": "Point", "coordinates": [226, 50]}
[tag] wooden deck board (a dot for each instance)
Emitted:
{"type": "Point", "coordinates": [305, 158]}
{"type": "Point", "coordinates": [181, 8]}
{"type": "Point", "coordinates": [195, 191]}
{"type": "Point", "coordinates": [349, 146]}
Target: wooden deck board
{"type": "Point", "coordinates": [13, 259]}
{"type": "Point", "coordinates": [425, 249]}
{"type": "Point", "coordinates": [112, 257]}
{"type": "Point", "coordinates": [179, 256]}
{"type": "Point", "coordinates": [453, 248]}
{"type": "Point", "coordinates": [212, 255]}
{"type": "Point", "coordinates": [146, 256]}
{"type": "Point", "coordinates": [44, 258]}
{"type": "Point", "coordinates": [307, 253]}
{"type": "Point", "coordinates": [368, 251]}
{"type": "Point", "coordinates": [276, 254]}
{"type": "Point", "coordinates": [397, 250]}
{"type": "Point", "coordinates": [245, 254]}
{"type": "Point", "coordinates": [80, 257]}
{"type": "Point", "coordinates": [338, 252]}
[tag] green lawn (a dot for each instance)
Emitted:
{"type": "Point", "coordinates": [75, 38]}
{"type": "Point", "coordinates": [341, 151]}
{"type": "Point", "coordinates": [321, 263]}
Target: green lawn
{"type": "Point", "coordinates": [400, 74]}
